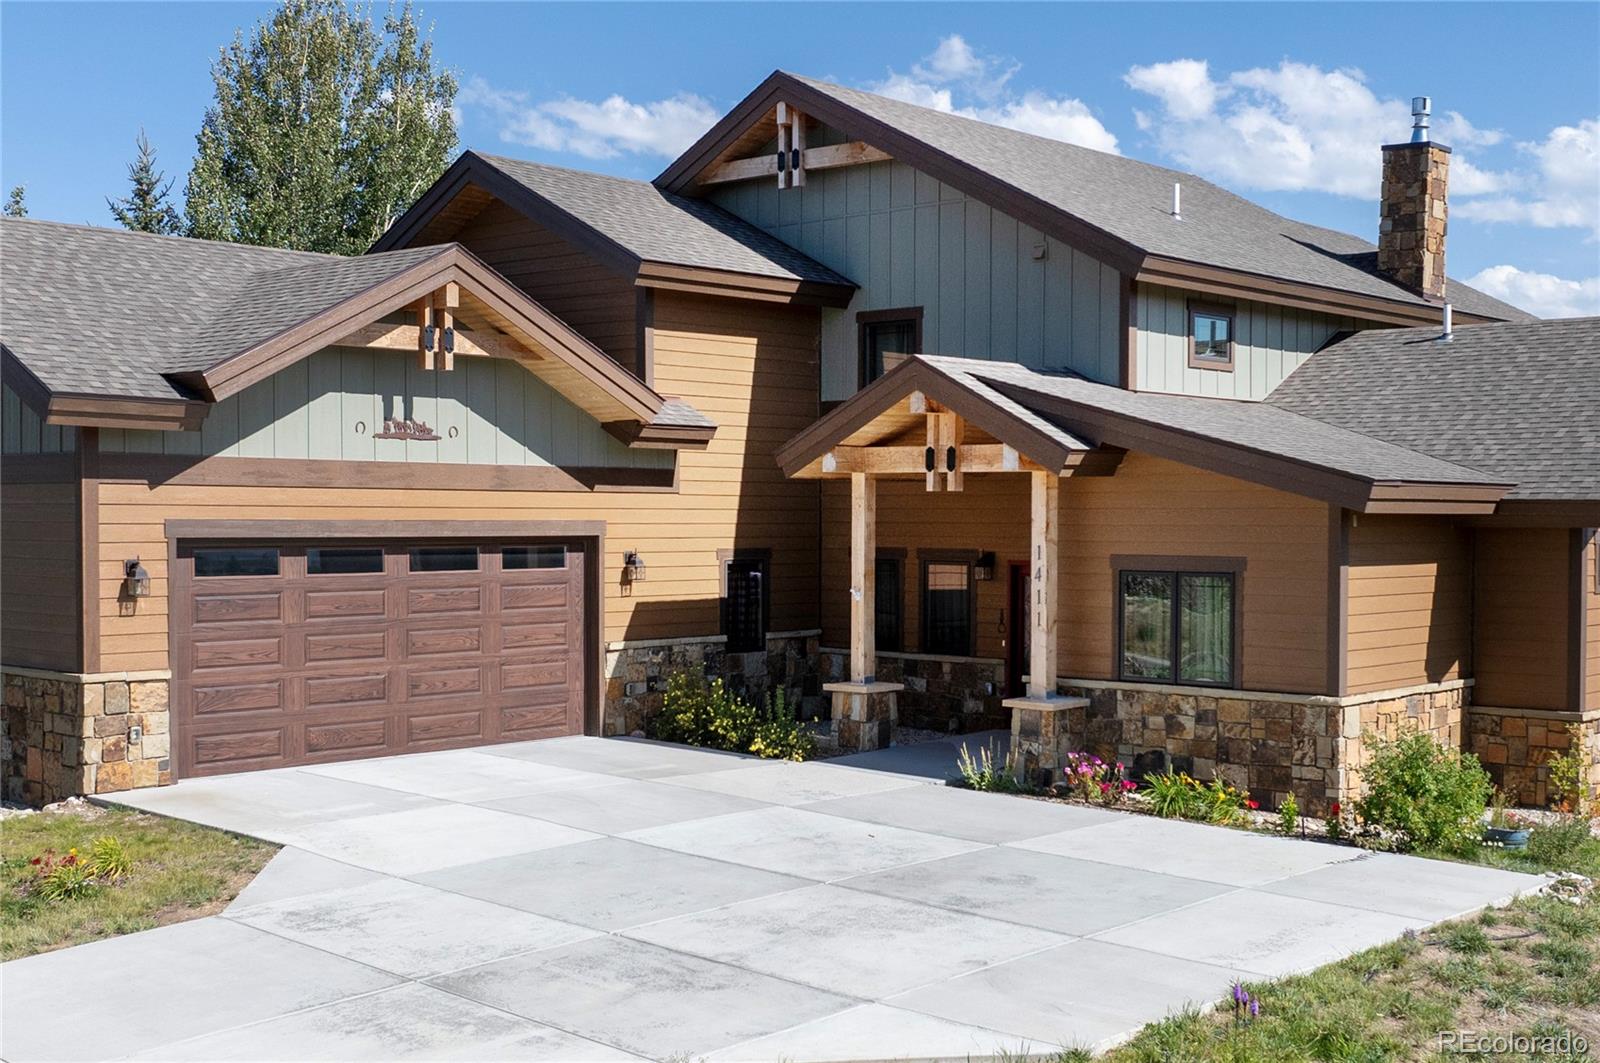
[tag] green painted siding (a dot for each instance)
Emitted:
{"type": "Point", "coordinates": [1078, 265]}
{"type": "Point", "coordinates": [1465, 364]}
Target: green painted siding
{"type": "Point", "coordinates": [487, 411]}
{"type": "Point", "coordinates": [23, 431]}
{"type": "Point", "coordinates": [909, 240]}
{"type": "Point", "coordinates": [1270, 342]}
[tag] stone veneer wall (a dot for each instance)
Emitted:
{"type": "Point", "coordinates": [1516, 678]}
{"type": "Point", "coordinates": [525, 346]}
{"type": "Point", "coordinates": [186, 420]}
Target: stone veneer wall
{"type": "Point", "coordinates": [66, 735]}
{"type": "Point", "coordinates": [954, 694]}
{"type": "Point", "coordinates": [636, 674]}
{"type": "Point", "coordinates": [1516, 746]}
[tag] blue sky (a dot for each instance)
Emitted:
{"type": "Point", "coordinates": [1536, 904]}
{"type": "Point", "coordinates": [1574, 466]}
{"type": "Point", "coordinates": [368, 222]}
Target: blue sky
{"type": "Point", "coordinates": [1284, 103]}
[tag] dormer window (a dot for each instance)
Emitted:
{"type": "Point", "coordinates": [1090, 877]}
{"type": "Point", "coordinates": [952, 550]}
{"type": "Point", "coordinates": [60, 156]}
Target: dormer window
{"type": "Point", "coordinates": [1210, 336]}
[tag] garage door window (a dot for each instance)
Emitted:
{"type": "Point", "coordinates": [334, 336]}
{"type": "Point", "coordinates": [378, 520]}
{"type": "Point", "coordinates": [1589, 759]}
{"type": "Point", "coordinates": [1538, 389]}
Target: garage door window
{"type": "Point", "coordinates": [343, 561]}
{"type": "Point", "coordinates": [444, 558]}
{"type": "Point", "coordinates": [236, 561]}
{"type": "Point", "coordinates": [515, 557]}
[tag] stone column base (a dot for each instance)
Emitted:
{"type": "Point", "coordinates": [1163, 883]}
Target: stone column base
{"type": "Point", "coordinates": [864, 715]}
{"type": "Point", "coordinates": [1040, 735]}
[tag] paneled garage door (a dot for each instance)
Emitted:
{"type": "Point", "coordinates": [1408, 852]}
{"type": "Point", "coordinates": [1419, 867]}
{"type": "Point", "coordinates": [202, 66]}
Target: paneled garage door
{"type": "Point", "coordinates": [326, 651]}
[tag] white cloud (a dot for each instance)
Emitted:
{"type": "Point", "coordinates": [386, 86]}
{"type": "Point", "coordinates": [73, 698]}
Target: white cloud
{"type": "Point", "coordinates": [1293, 127]}
{"type": "Point", "coordinates": [595, 129]}
{"type": "Point", "coordinates": [958, 80]}
{"type": "Point", "coordinates": [1563, 193]}
{"type": "Point", "coordinates": [1542, 294]}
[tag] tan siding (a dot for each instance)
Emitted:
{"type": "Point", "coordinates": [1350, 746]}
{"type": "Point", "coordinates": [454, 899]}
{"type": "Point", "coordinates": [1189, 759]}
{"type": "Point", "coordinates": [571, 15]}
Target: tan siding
{"type": "Point", "coordinates": [39, 611]}
{"type": "Point", "coordinates": [570, 284]}
{"type": "Point", "coordinates": [1520, 635]}
{"type": "Point", "coordinates": [1410, 602]}
{"type": "Point", "coordinates": [1150, 506]}
{"type": "Point", "coordinates": [730, 495]}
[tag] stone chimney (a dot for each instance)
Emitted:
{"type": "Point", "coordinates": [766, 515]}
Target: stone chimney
{"type": "Point", "coordinates": [1413, 216]}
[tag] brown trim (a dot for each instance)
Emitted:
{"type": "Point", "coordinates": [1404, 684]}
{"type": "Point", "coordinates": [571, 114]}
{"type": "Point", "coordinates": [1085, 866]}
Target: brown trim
{"type": "Point", "coordinates": [644, 339]}
{"type": "Point", "coordinates": [1532, 513]}
{"type": "Point", "coordinates": [1197, 361]}
{"type": "Point", "coordinates": [185, 528]}
{"type": "Point", "coordinates": [706, 281]}
{"type": "Point", "coordinates": [181, 470]}
{"type": "Point", "coordinates": [106, 411]}
{"type": "Point", "coordinates": [896, 556]}
{"type": "Point", "coordinates": [864, 318]}
{"type": "Point", "coordinates": [1578, 618]}
{"type": "Point", "coordinates": [1338, 681]}
{"type": "Point", "coordinates": [19, 378]}
{"type": "Point", "coordinates": [890, 553]}
{"type": "Point", "coordinates": [641, 436]}
{"type": "Point", "coordinates": [1176, 566]}
{"type": "Point", "coordinates": [941, 556]}
{"type": "Point", "coordinates": [1128, 334]}
{"type": "Point", "coordinates": [89, 549]}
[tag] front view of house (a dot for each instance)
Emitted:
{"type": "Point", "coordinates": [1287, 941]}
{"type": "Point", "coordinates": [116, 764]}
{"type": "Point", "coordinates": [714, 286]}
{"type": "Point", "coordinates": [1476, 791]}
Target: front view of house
{"type": "Point", "coordinates": [926, 421]}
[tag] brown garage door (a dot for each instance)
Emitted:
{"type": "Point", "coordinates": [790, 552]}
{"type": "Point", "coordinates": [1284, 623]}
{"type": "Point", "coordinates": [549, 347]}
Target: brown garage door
{"type": "Point", "coordinates": [323, 651]}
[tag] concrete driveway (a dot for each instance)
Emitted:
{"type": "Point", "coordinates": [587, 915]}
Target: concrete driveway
{"type": "Point", "coordinates": [592, 899]}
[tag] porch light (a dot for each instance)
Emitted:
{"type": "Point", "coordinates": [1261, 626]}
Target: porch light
{"type": "Point", "coordinates": [135, 580]}
{"type": "Point", "coordinates": [983, 568]}
{"type": "Point", "coordinates": [632, 566]}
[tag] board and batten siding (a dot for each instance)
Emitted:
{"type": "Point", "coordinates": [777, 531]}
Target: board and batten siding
{"type": "Point", "coordinates": [23, 431]}
{"type": "Point", "coordinates": [486, 411]}
{"type": "Point", "coordinates": [1150, 507]}
{"type": "Point", "coordinates": [751, 368]}
{"type": "Point", "coordinates": [1269, 343]}
{"type": "Point", "coordinates": [39, 575]}
{"type": "Point", "coordinates": [1410, 602]}
{"type": "Point", "coordinates": [990, 287]}
{"type": "Point", "coordinates": [1522, 600]}
{"type": "Point", "coordinates": [1591, 589]}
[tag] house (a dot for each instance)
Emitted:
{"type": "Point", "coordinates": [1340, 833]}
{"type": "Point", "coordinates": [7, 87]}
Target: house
{"type": "Point", "coordinates": [922, 420]}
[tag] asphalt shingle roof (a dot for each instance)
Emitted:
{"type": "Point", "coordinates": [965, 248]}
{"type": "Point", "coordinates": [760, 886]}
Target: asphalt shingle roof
{"type": "Point", "coordinates": [658, 226]}
{"type": "Point", "coordinates": [107, 312]}
{"type": "Point", "coordinates": [1519, 400]}
{"type": "Point", "coordinates": [1132, 200]}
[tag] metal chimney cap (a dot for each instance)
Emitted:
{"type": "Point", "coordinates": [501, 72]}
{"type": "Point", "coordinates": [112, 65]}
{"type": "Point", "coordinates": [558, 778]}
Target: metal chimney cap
{"type": "Point", "coordinates": [1421, 107]}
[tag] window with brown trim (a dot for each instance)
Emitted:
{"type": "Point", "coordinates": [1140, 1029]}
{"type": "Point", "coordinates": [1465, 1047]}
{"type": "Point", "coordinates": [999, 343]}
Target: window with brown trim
{"type": "Point", "coordinates": [886, 332]}
{"type": "Point", "coordinates": [1210, 336]}
{"type": "Point", "coordinates": [888, 605]}
{"type": "Point", "coordinates": [746, 601]}
{"type": "Point", "coordinates": [948, 607]}
{"type": "Point", "coordinates": [1177, 626]}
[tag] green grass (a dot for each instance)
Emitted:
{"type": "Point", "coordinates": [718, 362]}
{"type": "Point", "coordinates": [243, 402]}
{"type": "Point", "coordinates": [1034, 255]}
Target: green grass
{"type": "Point", "coordinates": [1530, 969]}
{"type": "Point", "coordinates": [180, 871]}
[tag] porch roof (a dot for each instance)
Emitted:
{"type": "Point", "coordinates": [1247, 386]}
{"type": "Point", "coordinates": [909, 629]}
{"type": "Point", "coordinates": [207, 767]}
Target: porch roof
{"type": "Point", "coordinates": [1050, 417]}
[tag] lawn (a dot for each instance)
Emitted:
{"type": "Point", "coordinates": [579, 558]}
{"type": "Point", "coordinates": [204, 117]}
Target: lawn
{"type": "Point", "coordinates": [1529, 970]}
{"type": "Point", "coordinates": [180, 871]}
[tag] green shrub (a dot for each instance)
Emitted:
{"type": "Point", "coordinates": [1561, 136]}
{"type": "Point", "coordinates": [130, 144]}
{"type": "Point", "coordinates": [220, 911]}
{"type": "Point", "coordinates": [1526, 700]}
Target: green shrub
{"type": "Point", "coordinates": [1566, 844]}
{"type": "Point", "coordinates": [985, 772]}
{"type": "Point", "coordinates": [63, 879]}
{"type": "Point", "coordinates": [1178, 795]}
{"type": "Point", "coordinates": [1288, 815]}
{"type": "Point", "coordinates": [707, 714]}
{"type": "Point", "coordinates": [1421, 795]}
{"type": "Point", "coordinates": [1567, 774]}
{"type": "Point", "coordinates": [108, 859]}
{"type": "Point", "coordinates": [779, 734]}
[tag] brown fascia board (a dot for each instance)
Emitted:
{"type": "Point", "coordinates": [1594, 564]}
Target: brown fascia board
{"type": "Point", "coordinates": [640, 436]}
{"type": "Point", "coordinates": [681, 176]}
{"type": "Point", "coordinates": [1543, 513]}
{"type": "Point", "coordinates": [97, 411]}
{"type": "Point", "coordinates": [909, 376]}
{"type": "Point", "coordinates": [705, 281]}
{"type": "Point", "coordinates": [1261, 467]}
{"type": "Point", "coordinates": [451, 263]}
{"type": "Point", "coordinates": [20, 379]}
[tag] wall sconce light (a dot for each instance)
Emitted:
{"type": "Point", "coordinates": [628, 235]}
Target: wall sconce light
{"type": "Point", "coordinates": [984, 567]}
{"type": "Point", "coordinates": [632, 566]}
{"type": "Point", "coordinates": [135, 580]}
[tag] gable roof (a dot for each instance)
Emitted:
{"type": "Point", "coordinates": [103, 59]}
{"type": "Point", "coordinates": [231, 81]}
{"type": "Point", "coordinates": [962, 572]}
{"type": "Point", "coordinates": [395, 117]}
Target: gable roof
{"type": "Point", "coordinates": [1111, 206]}
{"type": "Point", "coordinates": [164, 325]}
{"type": "Point", "coordinates": [1518, 400]}
{"type": "Point", "coordinates": [1247, 440]}
{"type": "Point", "coordinates": [631, 226]}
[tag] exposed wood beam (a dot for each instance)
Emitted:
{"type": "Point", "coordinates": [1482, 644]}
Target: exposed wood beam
{"type": "Point", "coordinates": [828, 157]}
{"type": "Point", "coordinates": [863, 573]}
{"type": "Point", "coordinates": [409, 338]}
{"type": "Point", "coordinates": [970, 457]}
{"type": "Point", "coordinates": [797, 148]}
{"type": "Point", "coordinates": [1045, 574]}
{"type": "Point", "coordinates": [424, 337]}
{"type": "Point", "coordinates": [446, 300]}
{"type": "Point", "coordinates": [780, 162]}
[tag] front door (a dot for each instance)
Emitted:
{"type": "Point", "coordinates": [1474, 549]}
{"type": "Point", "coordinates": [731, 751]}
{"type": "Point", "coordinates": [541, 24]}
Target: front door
{"type": "Point", "coordinates": [1017, 595]}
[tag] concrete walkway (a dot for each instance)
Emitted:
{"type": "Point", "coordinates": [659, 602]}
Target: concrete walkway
{"type": "Point", "coordinates": [594, 899]}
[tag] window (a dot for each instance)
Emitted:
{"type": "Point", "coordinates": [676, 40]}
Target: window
{"type": "Point", "coordinates": [444, 558]}
{"type": "Point", "coordinates": [513, 557]}
{"type": "Point", "coordinates": [1210, 336]}
{"type": "Point", "coordinates": [236, 561]}
{"type": "Point", "coordinates": [888, 606]}
{"type": "Point", "coordinates": [947, 606]}
{"type": "Point", "coordinates": [886, 332]}
{"type": "Point", "coordinates": [1177, 627]}
{"type": "Point", "coordinates": [744, 605]}
{"type": "Point", "coordinates": [343, 561]}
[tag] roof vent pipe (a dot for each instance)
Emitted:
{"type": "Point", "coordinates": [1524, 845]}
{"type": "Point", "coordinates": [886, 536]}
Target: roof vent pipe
{"type": "Point", "coordinates": [1449, 331]}
{"type": "Point", "coordinates": [1177, 201]}
{"type": "Point", "coordinates": [1421, 106]}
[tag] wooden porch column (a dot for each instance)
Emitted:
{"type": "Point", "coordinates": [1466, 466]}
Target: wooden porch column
{"type": "Point", "coordinates": [863, 573]}
{"type": "Point", "coordinates": [1044, 524]}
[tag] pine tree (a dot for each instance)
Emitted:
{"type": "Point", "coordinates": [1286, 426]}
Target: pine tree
{"type": "Point", "coordinates": [145, 208]}
{"type": "Point", "coordinates": [17, 202]}
{"type": "Point", "coordinates": [324, 129]}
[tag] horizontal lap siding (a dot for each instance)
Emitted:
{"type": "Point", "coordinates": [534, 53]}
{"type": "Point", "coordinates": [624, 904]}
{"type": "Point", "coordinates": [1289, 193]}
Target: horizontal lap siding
{"type": "Point", "coordinates": [39, 562]}
{"type": "Point", "coordinates": [730, 495]}
{"type": "Point", "coordinates": [1410, 602]}
{"type": "Point", "coordinates": [1149, 506]}
{"type": "Point", "coordinates": [1520, 652]}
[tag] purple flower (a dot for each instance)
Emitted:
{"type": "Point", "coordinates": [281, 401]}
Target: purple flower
{"type": "Point", "coordinates": [1255, 1007]}
{"type": "Point", "coordinates": [1239, 995]}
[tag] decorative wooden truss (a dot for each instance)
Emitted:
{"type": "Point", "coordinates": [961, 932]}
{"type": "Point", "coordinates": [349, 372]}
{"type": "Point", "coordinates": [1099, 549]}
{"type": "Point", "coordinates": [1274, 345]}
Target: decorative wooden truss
{"type": "Point", "coordinates": [438, 335]}
{"type": "Point", "coordinates": [792, 159]}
